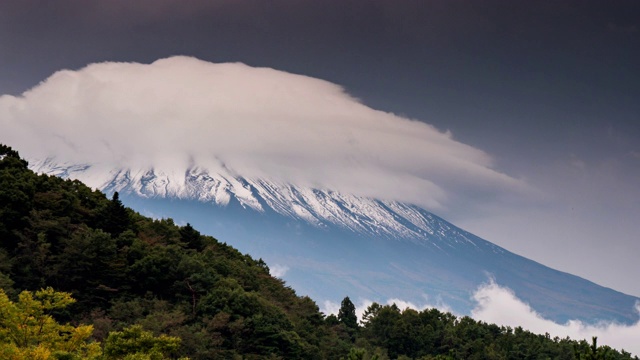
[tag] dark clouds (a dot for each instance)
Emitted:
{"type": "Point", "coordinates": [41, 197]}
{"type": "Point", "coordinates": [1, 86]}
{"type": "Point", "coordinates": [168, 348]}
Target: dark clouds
{"type": "Point", "coordinates": [507, 63]}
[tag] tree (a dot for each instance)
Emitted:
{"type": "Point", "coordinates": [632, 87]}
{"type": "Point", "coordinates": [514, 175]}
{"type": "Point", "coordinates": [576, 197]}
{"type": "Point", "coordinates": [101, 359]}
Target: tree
{"type": "Point", "coordinates": [135, 343]}
{"type": "Point", "coordinates": [370, 313]}
{"type": "Point", "coordinates": [8, 152]}
{"type": "Point", "coordinates": [347, 316]}
{"type": "Point", "coordinates": [591, 352]}
{"type": "Point", "coordinates": [115, 216]}
{"type": "Point", "coordinates": [192, 237]}
{"type": "Point", "coordinates": [28, 331]}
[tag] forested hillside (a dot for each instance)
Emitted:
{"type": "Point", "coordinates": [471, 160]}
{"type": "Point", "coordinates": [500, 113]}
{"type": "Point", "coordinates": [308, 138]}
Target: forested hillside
{"type": "Point", "coordinates": [124, 269]}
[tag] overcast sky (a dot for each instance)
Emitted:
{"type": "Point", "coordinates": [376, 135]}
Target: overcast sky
{"type": "Point", "coordinates": [549, 90]}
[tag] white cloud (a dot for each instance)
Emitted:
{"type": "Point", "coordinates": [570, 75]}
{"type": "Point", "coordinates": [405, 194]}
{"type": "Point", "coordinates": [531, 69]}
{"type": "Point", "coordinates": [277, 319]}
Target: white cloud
{"type": "Point", "coordinates": [278, 270]}
{"type": "Point", "coordinates": [499, 305]}
{"type": "Point", "coordinates": [330, 307]}
{"type": "Point", "coordinates": [179, 112]}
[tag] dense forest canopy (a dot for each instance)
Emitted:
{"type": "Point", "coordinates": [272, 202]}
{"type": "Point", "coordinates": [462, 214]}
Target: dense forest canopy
{"type": "Point", "coordinates": [125, 276]}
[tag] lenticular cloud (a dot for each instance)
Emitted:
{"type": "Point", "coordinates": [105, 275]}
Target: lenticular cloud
{"type": "Point", "coordinates": [181, 112]}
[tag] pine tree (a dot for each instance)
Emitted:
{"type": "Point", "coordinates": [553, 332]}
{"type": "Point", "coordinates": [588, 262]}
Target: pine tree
{"type": "Point", "coordinates": [115, 217]}
{"type": "Point", "coordinates": [347, 315]}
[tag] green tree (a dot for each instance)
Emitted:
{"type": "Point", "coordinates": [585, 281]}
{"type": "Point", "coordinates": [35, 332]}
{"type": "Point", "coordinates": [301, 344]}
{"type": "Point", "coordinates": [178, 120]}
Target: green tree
{"type": "Point", "coordinates": [192, 237]}
{"type": "Point", "coordinates": [347, 316]}
{"type": "Point", "coordinates": [133, 343]}
{"type": "Point", "coordinates": [16, 194]}
{"type": "Point", "coordinates": [370, 313]}
{"type": "Point", "coordinates": [28, 331]}
{"type": "Point", "coordinates": [115, 216]}
{"type": "Point", "coordinates": [591, 352]}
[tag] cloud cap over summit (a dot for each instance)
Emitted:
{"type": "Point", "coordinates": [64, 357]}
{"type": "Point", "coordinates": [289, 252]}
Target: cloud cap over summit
{"type": "Point", "coordinates": [181, 112]}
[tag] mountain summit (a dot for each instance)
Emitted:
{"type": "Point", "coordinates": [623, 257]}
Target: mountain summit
{"type": "Point", "coordinates": [321, 208]}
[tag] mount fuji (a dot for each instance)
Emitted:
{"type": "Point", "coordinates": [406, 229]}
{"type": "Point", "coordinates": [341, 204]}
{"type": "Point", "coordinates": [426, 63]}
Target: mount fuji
{"type": "Point", "coordinates": [329, 244]}
{"type": "Point", "coordinates": [332, 193]}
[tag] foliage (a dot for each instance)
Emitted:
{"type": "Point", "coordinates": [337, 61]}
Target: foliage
{"type": "Point", "coordinates": [125, 269]}
{"type": "Point", "coordinates": [135, 343]}
{"type": "Point", "coordinates": [347, 314]}
{"type": "Point", "coordinates": [129, 273]}
{"type": "Point", "coordinates": [431, 334]}
{"type": "Point", "coordinates": [29, 331]}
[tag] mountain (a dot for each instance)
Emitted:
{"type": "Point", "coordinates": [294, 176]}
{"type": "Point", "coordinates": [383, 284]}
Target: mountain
{"type": "Point", "coordinates": [121, 282]}
{"type": "Point", "coordinates": [335, 244]}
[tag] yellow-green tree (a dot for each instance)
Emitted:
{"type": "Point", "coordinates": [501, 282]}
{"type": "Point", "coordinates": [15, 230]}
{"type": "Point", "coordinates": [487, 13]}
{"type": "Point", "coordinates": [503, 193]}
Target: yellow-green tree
{"type": "Point", "coordinates": [28, 331]}
{"type": "Point", "coordinates": [133, 343]}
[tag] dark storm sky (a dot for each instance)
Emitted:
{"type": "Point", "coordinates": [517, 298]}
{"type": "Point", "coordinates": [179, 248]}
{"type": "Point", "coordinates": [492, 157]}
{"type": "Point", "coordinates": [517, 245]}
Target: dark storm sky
{"type": "Point", "coordinates": [550, 89]}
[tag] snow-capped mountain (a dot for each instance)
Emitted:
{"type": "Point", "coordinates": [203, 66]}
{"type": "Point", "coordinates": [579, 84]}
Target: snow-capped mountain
{"type": "Point", "coordinates": [338, 244]}
{"type": "Point", "coordinates": [318, 207]}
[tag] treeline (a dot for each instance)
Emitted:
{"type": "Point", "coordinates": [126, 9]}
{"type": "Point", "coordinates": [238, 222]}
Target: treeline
{"type": "Point", "coordinates": [124, 269]}
{"type": "Point", "coordinates": [389, 332]}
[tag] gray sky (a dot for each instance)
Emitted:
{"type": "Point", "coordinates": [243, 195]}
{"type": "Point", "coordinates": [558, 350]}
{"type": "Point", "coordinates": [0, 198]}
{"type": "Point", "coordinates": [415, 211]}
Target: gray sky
{"type": "Point", "coordinates": [548, 89]}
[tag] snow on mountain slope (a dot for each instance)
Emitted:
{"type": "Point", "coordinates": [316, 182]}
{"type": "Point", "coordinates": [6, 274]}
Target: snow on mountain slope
{"type": "Point", "coordinates": [319, 207]}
